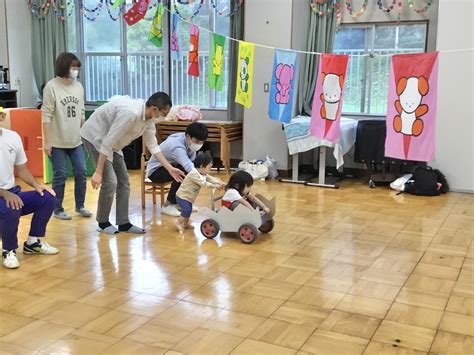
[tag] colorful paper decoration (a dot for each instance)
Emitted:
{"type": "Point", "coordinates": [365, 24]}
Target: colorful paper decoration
{"type": "Point", "coordinates": [282, 86]}
{"type": "Point", "coordinates": [156, 30]}
{"type": "Point", "coordinates": [216, 62]}
{"type": "Point", "coordinates": [137, 12]}
{"type": "Point", "coordinates": [243, 93]}
{"type": "Point", "coordinates": [328, 95]}
{"type": "Point", "coordinates": [193, 66]}
{"type": "Point", "coordinates": [420, 10]}
{"type": "Point", "coordinates": [387, 8]}
{"type": "Point", "coordinates": [359, 13]}
{"type": "Point", "coordinates": [174, 46]}
{"type": "Point", "coordinates": [411, 106]}
{"type": "Point", "coordinates": [186, 3]}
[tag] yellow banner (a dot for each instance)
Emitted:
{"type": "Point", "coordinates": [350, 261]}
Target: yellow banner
{"type": "Point", "coordinates": [243, 95]}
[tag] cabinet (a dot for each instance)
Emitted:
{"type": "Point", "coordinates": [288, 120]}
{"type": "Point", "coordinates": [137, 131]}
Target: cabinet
{"type": "Point", "coordinates": [8, 98]}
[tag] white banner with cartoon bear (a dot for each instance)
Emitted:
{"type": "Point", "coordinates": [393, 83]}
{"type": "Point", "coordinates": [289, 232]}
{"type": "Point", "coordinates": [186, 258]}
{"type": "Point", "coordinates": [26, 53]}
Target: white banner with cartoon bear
{"type": "Point", "coordinates": [243, 95]}
{"type": "Point", "coordinates": [411, 107]}
{"type": "Point", "coordinates": [328, 94]}
{"type": "Point", "coordinates": [282, 87]}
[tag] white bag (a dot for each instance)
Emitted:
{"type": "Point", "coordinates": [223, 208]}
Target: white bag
{"type": "Point", "coordinates": [399, 184]}
{"type": "Point", "coordinates": [272, 169]}
{"type": "Point", "coordinates": [257, 169]}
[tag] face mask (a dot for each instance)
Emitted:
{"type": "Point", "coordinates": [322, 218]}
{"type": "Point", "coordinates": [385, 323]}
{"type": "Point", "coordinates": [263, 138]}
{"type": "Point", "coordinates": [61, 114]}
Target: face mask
{"type": "Point", "coordinates": [195, 147]}
{"type": "Point", "coordinates": [73, 74]}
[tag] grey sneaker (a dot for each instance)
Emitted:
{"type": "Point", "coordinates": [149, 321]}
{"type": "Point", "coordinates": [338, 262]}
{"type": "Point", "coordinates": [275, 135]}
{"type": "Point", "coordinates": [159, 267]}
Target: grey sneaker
{"type": "Point", "coordinates": [62, 215]}
{"type": "Point", "coordinates": [83, 212]}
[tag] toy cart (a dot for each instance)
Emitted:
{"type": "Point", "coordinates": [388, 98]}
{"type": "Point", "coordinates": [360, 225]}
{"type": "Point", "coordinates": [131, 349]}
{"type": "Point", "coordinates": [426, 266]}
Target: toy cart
{"type": "Point", "coordinates": [242, 220]}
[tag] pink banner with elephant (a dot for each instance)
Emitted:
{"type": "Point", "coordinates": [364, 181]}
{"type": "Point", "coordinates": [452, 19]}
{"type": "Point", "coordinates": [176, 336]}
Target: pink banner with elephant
{"type": "Point", "coordinates": [282, 86]}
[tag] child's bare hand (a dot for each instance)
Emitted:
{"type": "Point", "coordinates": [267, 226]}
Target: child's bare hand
{"type": "Point", "coordinates": [266, 209]}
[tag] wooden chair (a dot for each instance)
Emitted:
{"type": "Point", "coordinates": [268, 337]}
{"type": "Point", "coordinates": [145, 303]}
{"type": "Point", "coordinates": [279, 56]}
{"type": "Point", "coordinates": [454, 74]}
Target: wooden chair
{"type": "Point", "coordinates": [149, 187]}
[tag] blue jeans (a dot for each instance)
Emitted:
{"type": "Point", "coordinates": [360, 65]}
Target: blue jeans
{"type": "Point", "coordinates": [33, 203]}
{"type": "Point", "coordinates": [78, 160]}
{"type": "Point", "coordinates": [186, 207]}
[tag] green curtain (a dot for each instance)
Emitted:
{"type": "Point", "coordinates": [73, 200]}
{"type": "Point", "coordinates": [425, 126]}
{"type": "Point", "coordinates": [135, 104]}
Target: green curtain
{"type": "Point", "coordinates": [321, 33]}
{"type": "Point", "coordinates": [235, 111]}
{"type": "Point", "coordinates": [48, 40]}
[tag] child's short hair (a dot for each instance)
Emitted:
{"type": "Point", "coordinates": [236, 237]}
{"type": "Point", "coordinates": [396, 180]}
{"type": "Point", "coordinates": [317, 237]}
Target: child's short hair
{"type": "Point", "coordinates": [239, 180]}
{"type": "Point", "coordinates": [202, 160]}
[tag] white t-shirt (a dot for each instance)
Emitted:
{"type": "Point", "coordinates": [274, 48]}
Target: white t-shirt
{"type": "Point", "coordinates": [11, 153]}
{"type": "Point", "coordinates": [231, 195]}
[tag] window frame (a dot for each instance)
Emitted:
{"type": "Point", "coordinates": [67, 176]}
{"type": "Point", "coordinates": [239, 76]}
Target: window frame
{"type": "Point", "coordinates": [123, 55]}
{"type": "Point", "coordinates": [369, 49]}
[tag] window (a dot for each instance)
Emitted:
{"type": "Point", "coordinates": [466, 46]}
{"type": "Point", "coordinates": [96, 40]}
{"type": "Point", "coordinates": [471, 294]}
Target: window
{"type": "Point", "coordinates": [119, 60]}
{"type": "Point", "coordinates": [366, 84]}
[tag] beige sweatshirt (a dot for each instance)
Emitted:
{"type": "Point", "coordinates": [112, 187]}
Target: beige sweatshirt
{"type": "Point", "coordinates": [63, 107]}
{"type": "Point", "coordinates": [192, 184]}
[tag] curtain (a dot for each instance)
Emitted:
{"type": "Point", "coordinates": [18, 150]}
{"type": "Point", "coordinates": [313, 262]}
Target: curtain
{"type": "Point", "coordinates": [48, 40]}
{"type": "Point", "coordinates": [321, 33]}
{"type": "Point", "coordinates": [234, 111]}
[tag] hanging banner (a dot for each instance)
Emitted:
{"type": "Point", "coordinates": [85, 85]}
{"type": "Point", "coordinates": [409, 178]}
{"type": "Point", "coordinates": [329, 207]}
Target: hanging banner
{"type": "Point", "coordinates": [328, 95]}
{"type": "Point", "coordinates": [137, 12]}
{"type": "Point", "coordinates": [156, 30]}
{"type": "Point", "coordinates": [193, 66]}
{"type": "Point", "coordinates": [117, 4]}
{"type": "Point", "coordinates": [175, 48]}
{"type": "Point", "coordinates": [216, 62]}
{"type": "Point", "coordinates": [411, 107]}
{"type": "Point", "coordinates": [243, 93]}
{"type": "Point", "coordinates": [282, 86]}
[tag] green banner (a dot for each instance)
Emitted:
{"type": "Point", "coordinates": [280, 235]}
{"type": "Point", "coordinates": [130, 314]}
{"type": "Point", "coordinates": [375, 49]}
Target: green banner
{"type": "Point", "coordinates": [156, 30]}
{"type": "Point", "coordinates": [216, 62]}
{"type": "Point", "coordinates": [116, 4]}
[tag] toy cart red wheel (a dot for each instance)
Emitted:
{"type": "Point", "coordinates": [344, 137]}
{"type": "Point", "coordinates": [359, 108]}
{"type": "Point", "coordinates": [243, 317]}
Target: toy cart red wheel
{"type": "Point", "coordinates": [267, 227]}
{"type": "Point", "coordinates": [209, 228]}
{"type": "Point", "coordinates": [248, 233]}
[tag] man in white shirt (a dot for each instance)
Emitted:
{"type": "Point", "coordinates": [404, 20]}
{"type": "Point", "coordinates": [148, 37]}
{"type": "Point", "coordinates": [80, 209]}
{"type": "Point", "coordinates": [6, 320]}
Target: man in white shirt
{"type": "Point", "coordinates": [112, 127]}
{"type": "Point", "coordinates": [14, 203]}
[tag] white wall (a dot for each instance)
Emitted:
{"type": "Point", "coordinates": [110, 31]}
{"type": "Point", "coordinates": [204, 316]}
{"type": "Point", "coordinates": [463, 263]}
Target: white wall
{"type": "Point", "coordinates": [3, 36]}
{"type": "Point", "coordinates": [455, 122]}
{"type": "Point", "coordinates": [18, 24]}
{"type": "Point", "coordinates": [267, 22]}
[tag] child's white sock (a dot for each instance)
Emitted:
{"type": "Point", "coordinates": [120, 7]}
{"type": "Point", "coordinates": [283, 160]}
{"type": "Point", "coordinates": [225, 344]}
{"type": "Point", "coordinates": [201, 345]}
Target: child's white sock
{"type": "Point", "coordinates": [31, 240]}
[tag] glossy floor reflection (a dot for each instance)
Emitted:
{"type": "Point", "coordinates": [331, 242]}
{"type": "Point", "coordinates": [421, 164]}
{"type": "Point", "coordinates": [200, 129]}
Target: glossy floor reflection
{"type": "Point", "coordinates": [347, 271]}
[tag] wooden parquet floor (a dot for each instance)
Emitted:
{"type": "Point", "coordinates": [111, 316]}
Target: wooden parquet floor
{"type": "Point", "coordinates": [347, 271]}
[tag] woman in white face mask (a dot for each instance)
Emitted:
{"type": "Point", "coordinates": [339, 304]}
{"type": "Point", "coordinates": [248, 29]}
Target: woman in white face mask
{"type": "Point", "coordinates": [63, 115]}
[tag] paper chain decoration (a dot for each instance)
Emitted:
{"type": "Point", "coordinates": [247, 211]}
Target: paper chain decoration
{"type": "Point", "coordinates": [92, 14]}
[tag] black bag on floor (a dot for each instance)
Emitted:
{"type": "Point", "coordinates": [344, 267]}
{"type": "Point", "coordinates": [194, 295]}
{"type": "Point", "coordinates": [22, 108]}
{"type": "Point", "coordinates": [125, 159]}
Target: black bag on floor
{"type": "Point", "coordinates": [427, 181]}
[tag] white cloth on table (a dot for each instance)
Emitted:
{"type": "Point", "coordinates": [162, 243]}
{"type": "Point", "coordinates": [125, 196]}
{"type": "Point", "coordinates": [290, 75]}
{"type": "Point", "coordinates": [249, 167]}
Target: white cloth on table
{"type": "Point", "coordinates": [300, 140]}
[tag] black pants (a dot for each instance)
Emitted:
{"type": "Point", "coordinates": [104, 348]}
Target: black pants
{"type": "Point", "coordinates": [161, 175]}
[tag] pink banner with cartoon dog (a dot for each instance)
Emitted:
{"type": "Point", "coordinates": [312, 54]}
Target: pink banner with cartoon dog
{"type": "Point", "coordinates": [411, 107]}
{"type": "Point", "coordinates": [328, 95]}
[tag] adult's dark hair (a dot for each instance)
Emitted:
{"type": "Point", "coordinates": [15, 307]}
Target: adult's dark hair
{"type": "Point", "coordinates": [202, 160]}
{"type": "Point", "coordinates": [160, 100]}
{"type": "Point", "coordinates": [64, 62]}
{"type": "Point", "coordinates": [197, 130]}
{"type": "Point", "coordinates": [239, 180]}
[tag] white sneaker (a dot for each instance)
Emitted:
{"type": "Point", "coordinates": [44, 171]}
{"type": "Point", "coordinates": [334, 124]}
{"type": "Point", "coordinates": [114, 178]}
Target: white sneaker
{"type": "Point", "coordinates": [170, 210]}
{"type": "Point", "coordinates": [10, 260]}
{"type": "Point", "coordinates": [62, 215]}
{"type": "Point", "coordinates": [40, 247]}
